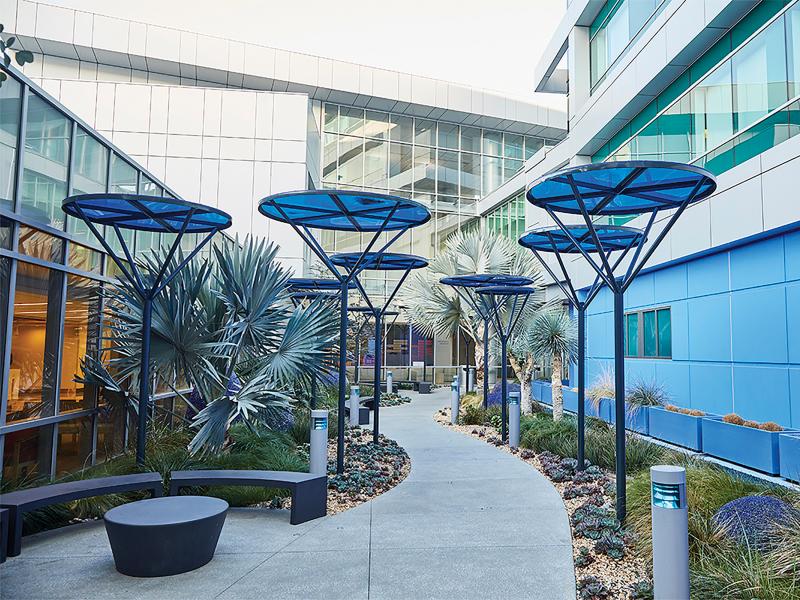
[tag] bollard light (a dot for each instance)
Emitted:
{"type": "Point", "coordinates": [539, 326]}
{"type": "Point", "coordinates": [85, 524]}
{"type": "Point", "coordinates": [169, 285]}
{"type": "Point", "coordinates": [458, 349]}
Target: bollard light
{"type": "Point", "coordinates": [388, 382]}
{"type": "Point", "coordinates": [355, 405]}
{"type": "Point", "coordinates": [456, 382]}
{"type": "Point", "coordinates": [318, 453]}
{"type": "Point", "coordinates": [670, 533]}
{"type": "Point", "coordinates": [454, 403]}
{"type": "Point", "coordinates": [470, 379]}
{"type": "Point", "coordinates": [513, 419]}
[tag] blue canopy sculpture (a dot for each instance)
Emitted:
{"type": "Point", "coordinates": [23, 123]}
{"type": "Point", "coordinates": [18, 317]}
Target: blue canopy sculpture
{"type": "Point", "coordinates": [354, 262]}
{"type": "Point", "coordinates": [153, 214]}
{"type": "Point", "coordinates": [639, 187]}
{"type": "Point", "coordinates": [554, 240]}
{"type": "Point", "coordinates": [496, 300]}
{"type": "Point", "coordinates": [344, 210]}
{"type": "Point", "coordinates": [465, 286]}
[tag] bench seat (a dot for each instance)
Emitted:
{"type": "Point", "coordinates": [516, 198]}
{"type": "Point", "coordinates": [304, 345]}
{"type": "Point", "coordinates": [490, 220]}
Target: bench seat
{"type": "Point", "coordinates": [309, 491]}
{"type": "Point", "coordinates": [22, 501]}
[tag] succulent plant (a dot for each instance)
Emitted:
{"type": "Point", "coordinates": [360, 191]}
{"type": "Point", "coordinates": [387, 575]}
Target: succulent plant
{"type": "Point", "coordinates": [611, 544]}
{"type": "Point", "coordinates": [591, 588]}
{"type": "Point", "coordinates": [642, 590]}
{"type": "Point", "coordinates": [584, 558]}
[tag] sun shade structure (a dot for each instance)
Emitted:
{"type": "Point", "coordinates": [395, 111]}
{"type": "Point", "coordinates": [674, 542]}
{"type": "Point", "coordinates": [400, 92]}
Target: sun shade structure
{"type": "Point", "coordinates": [315, 284]}
{"type": "Point", "coordinates": [504, 304]}
{"type": "Point", "coordinates": [465, 286]}
{"type": "Point", "coordinates": [366, 310]}
{"type": "Point", "coordinates": [344, 210]}
{"type": "Point", "coordinates": [153, 214]}
{"type": "Point", "coordinates": [577, 239]}
{"type": "Point", "coordinates": [620, 188]}
{"type": "Point", "coordinates": [355, 262]}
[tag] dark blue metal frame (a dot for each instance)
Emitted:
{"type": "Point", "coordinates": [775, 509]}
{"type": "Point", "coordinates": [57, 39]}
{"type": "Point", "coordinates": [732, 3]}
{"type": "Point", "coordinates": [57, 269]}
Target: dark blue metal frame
{"type": "Point", "coordinates": [493, 298]}
{"type": "Point", "coordinates": [344, 210]}
{"type": "Point", "coordinates": [620, 188]}
{"type": "Point", "coordinates": [155, 214]}
{"type": "Point", "coordinates": [463, 285]}
{"type": "Point", "coordinates": [555, 241]}
{"type": "Point", "coordinates": [374, 261]}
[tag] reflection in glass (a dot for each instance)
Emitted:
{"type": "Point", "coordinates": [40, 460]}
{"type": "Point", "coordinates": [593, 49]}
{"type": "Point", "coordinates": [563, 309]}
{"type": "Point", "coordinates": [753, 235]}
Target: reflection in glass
{"type": "Point", "coordinates": [28, 454]}
{"type": "Point", "coordinates": [331, 119]}
{"type": "Point", "coordinates": [85, 259]}
{"type": "Point", "coordinates": [425, 132]}
{"type": "Point", "coordinates": [448, 136]}
{"type": "Point", "coordinates": [375, 164]}
{"type": "Point", "coordinates": [532, 146]}
{"type": "Point", "coordinates": [376, 125]}
{"type": "Point", "coordinates": [512, 147]}
{"type": "Point", "coordinates": [401, 164]}
{"type": "Point", "coordinates": [74, 449]}
{"type": "Point", "coordinates": [492, 173]}
{"type": "Point", "coordinates": [351, 120]}
{"type": "Point", "coordinates": [424, 170]}
{"type": "Point", "coordinates": [330, 153]}
{"type": "Point", "coordinates": [10, 103]}
{"type": "Point", "coordinates": [470, 175]}
{"type": "Point", "coordinates": [90, 170]}
{"type": "Point", "coordinates": [470, 139]}
{"type": "Point", "coordinates": [44, 180]}
{"type": "Point", "coordinates": [39, 244]}
{"type": "Point", "coordinates": [401, 129]}
{"type": "Point", "coordinates": [351, 160]}
{"type": "Point", "coordinates": [34, 342]}
{"type": "Point", "coordinates": [81, 337]}
{"type": "Point", "coordinates": [493, 143]}
{"type": "Point", "coordinates": [448, 173]}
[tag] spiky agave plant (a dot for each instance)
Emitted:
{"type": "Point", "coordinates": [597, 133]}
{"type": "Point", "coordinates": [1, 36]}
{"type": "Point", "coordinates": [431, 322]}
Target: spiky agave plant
{"type": "Point", "coordinates": [555, 334]}
{"type": "Point", "coordinates": [437, 309]}
{"type": "Point", "coordinates": [225, 326]}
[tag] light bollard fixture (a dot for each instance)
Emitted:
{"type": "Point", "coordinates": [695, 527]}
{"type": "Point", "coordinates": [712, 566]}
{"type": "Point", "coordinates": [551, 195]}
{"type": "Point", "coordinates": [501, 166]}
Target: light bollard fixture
{"type": "Point", "coordinates": [457, 383]}
{"type": "Point", "coordinates": [470, 379]}
{"type": "Point", "coordinates": [670, 533]}
{"type": "Point", "coordinates": [389, 382]}
{"type": "Point", "coordinates": [513, 419]}
{"type": "Point", "coordinates": [355, 405]}
{"type": "Point", "coordinates": [318, 453]}
{"type": "Point", "coordinates": [455, 400]}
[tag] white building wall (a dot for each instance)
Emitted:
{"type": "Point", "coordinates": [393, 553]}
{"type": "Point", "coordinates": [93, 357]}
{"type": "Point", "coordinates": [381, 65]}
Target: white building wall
{"type": "Point", "coordinates": [222, 147]}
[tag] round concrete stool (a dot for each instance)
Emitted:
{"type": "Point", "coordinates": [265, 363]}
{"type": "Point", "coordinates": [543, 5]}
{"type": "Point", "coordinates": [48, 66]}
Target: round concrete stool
{"type": "Point", "coordinates": [165, 536]}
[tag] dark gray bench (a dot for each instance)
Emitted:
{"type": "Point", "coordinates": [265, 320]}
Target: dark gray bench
{"type": "Point", "coordinates": [3, 534]}
{"type": "Point", "coordinates": [22, 501]}
{"type": "Point", "coordinates": [309, 492]}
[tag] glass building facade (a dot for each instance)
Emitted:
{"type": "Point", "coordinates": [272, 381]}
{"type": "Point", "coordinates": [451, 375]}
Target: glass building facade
{"type": "Point", "coordinates": [741, 98]}
{"type": "Point", "coordinates": [509, 218]}
{"type": "Point", "coordinates": [51, 274]}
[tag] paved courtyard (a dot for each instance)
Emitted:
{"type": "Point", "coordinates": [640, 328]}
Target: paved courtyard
{"type": "Point", "coordinates": [470, 521]}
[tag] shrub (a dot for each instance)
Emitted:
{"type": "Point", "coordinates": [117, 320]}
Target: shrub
{"type": "Point", "coordinates": [543, 433]}
{"type": "Point", "coordinates": [735, 419]}
{"type": "Point", "coordinates": [603, 387]}
{"type": "Point", "coordinates": [754, 520]}
{"type": "Point", "coordinates": [643, 393]}
{"type": "Point", "coordinates": [496, 393]}
{"type": "Point", "coordinates": [684, 411]}
{"type": "Point", "coordinates": [472, 415]}
{"type": "Point", "coordinates": [591, 588]}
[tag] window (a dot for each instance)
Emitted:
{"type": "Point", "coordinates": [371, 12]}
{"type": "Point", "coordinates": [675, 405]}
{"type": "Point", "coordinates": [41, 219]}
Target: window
{"type": "Point", "coordinates": [9, 131]}
{"type": "Point", "coordinates": [648, 334]}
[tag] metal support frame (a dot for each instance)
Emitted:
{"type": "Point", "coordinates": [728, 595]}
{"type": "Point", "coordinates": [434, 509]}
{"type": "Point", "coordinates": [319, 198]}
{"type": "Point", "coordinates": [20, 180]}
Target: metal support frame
{"type": "Point", "coordinates": [486, 318]}
{"type": "Point", "coordinates": [147, 289]}
{"type": "Point", "coordinates": [345, 279]}
{"type": "Point", "coordinates": [617, 285]}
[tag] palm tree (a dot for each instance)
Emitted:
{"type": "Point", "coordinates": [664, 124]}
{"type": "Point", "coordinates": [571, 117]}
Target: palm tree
{"type": "Point", "coordinates": [225, 327]}
{"type": "Point", "coordinates": [437, 309]}
{"type": "Point", "coordinates": [554, 334]}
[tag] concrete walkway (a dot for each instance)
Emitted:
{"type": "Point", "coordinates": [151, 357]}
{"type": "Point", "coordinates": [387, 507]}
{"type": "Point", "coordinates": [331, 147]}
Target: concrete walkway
{"type": "Point", "coordinates": [470, 521]}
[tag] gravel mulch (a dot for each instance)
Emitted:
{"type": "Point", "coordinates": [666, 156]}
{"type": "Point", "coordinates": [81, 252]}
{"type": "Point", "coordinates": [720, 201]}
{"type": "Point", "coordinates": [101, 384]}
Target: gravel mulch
{"type": "Point", "coordinates": [616, 577]}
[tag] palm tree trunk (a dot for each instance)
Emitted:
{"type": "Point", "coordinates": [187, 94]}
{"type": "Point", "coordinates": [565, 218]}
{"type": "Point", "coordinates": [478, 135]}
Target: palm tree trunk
{"type": "Point", "coordinates": [523, 372]}
{"type": "Point", "coordinates": [555, 378]}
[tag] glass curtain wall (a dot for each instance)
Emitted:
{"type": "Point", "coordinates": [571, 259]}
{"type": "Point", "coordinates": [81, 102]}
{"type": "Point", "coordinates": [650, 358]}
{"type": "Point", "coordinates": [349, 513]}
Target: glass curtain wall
{"type": "Point", "coordinates": [737, 101]}
{"type": "Point", "coordinates": [615, 27]}
{"type": "Point", "coordinates": [508, 219]}
{"type": "Point", "coordinates": [51, 273]}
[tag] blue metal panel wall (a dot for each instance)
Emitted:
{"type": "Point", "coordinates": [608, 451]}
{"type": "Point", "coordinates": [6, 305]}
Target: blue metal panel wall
{"type": "Point", "coordinates": [735, 329]}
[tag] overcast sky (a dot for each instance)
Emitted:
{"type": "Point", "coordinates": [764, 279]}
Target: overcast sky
{"type": "Point", "coordinates": [492, 44]}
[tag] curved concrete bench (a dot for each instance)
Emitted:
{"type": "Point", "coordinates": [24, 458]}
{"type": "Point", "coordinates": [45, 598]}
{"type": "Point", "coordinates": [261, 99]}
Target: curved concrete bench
{"type": "Point", "coordinates": [165, 536]}
{"type": "Point", "coordinates": [309, 492]}
{"type": "Point", "coordinates": [22, 501]}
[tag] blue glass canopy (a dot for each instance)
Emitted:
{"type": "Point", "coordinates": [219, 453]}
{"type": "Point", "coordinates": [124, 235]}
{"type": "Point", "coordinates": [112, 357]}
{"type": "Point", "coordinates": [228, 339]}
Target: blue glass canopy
{"type": "Point", "coordinates": [477, 280]}
{"type": "Point", "coordinates": [297, 284]}
{"type": "Point", "coordinates": [622, 188]}
{"type": "Point", "coordinates": [506, 290]}
{"type": "Point", "coordinates": [344, 210]}
{"type": "Point", "coordinates": [555, 239]}
{"type": "Point", "coordinates": [146, 213]}
{"type": "Point", "coordinates": [379, 261]}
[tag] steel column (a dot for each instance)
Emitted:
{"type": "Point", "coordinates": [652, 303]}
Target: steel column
{"type": "Point", "coordinates": [485, 363]}
{"type": "Point", "coordinates": [144, 379]}
{"type": "Point", "coordinates": [619, 398]}
{"type": "Point", "coordinates": [342, 375]}
{"type": "Point", "coordinates": [377, 387]}
{"type": "Point", "coordinates": [504, 386]}
{"type": "Point", "coordinates": [581, 384]}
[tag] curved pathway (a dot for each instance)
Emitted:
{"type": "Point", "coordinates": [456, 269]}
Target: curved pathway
{"type": "Point", "coordinates": [470, 521]}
